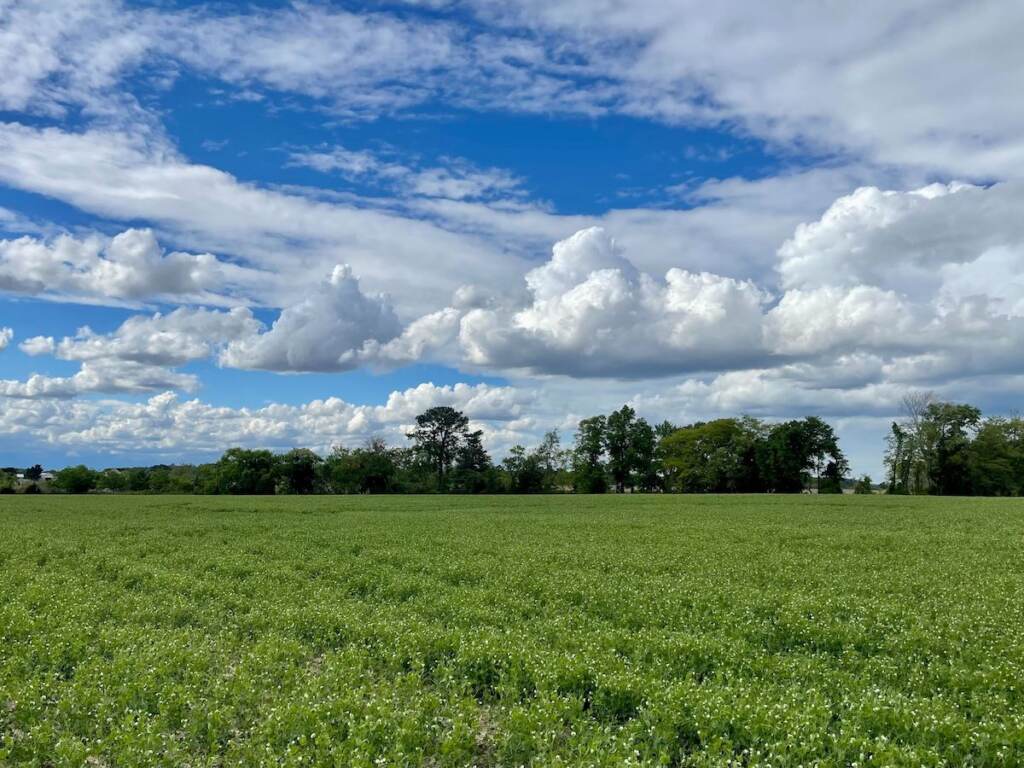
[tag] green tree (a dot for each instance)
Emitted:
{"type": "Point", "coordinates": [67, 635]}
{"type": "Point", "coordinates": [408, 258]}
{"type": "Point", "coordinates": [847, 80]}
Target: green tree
{"type": "Point", "coordinates": [718, 456]}
{"type": "Point", "coordinates": [247, 472]}
{"type": "Point", "coordinates": [554, 462]}
{"type": "Point", "coordinates": [370, 469]}
{"type": "Point", "coordinates": [473, 469]}
{"type": "Point", "coordinates": [439, 433]}
{"type": "Point", "coordinates": [618, 441]}
{"type": "Point", "coordinates": [524, 471]}
{"type": "Point", "coordinates": [896, 459]}
{"type": "Point", "coordinates": [796, 451]}
{"type": "Point", "coordinates": [951, 427]}
{"type": "Point", "coordinates": [298, 470]}
{"type": "Point", "coordinates": [588, 456]}
{"type": "Point", "coordinates": [644, 450]}
{"type": "Point", "coordinates": [112, 480]}
{"type": "Point", "coordinates": [77, 479]}
{"type": "Point", "coordinates": [996, 458]}
{"type": "Point", "coordinates": [35, 472]}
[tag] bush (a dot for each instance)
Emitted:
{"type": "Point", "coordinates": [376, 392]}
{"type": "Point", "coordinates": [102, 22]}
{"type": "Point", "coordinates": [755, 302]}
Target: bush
{"type": "Point", "coordinates": [864, 486]}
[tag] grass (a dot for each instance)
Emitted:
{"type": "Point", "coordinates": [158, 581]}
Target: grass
{"type": "Point", "coordinates": [657, 630]}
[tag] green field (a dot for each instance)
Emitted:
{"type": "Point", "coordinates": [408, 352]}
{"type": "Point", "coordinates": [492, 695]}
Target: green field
{"type": "Point", "coordinates": [600, 630]}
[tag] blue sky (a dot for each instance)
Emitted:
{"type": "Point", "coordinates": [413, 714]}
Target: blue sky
{"type": "Point", "coordinates": [278, 224]}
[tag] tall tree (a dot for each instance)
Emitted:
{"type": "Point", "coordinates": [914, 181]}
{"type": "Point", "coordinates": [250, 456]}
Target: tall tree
{"type": "Point", "coordinates": [618, 440]}
{"type": "Point", "coordinates": [895, 459]}
{"type": "Point", "coordinates": [951, 428]}
{"type": "Point", "coordinates": [524, 470]}
{"type": "Point", "coordinates": [644, 451]}
{"type": "Point", "coordinates": [552, 460]}
{"type": "Point", "coordinates": [473, 467]}
{"type": "Point", "coordinates": [587, 458]}
{"type": "Point", "coordinates": [439, 433]}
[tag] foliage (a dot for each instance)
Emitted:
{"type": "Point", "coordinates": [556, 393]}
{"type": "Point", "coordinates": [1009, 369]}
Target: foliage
{"type": "Point", "coordinates": [371, 469]}
{"type": "Point", "coordinates": [474, 472]}
{"type": "Point", "coordinates": [863, 486]}
{"type": "Point", "coordinates": [948, 449]}
{"type": "Point", "coordinates": [77, 479]}
{"type": "Point", "coordinates": [297, 471]}
{"type": "Point", "coordinates": [747, 456]}
{"type": "Point", "coordinates": [439, 435]}
{"type": "Point", "coordinates": [555, 630]}
{"type": "Point", "coordinates": [588, 456]}
{"type": "Point", "coordinates": [242, 471]}
{"type": "Point", "coordinates": [714, 457]}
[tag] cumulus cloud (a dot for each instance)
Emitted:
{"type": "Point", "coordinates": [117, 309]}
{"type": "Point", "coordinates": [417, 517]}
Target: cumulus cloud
{"type": "Point", "coordinates": [139, 356]}
{"type": "Point", "coordinates": [171, 339]}
{"type": "Point", "coordinates": [832, 318]}
{"type": "Point", "coordinates": [6, 334]}
{"type": "Point", "coordinates": [594, 314]}
{"type": "Point", "coordinates": [38, 345]}
{"type": "Point", "coordinates": [109, 376]}
{"type": "Point", "coordinates": [322, 333]}
{"type": "Point", "coordinates": [167, 424]}
{"type": "Point", "coordinates": [902, 240]}
{"type": "Point", "coordinates": [928, 277]}
{"type": "Point", "coordinates": [337, 327]}
{"type": "Point", "coordinates": [129, 266]}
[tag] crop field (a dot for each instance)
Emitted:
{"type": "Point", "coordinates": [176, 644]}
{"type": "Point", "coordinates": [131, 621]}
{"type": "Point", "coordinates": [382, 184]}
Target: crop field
{"type": "Point", "coordinates": [450, 631]}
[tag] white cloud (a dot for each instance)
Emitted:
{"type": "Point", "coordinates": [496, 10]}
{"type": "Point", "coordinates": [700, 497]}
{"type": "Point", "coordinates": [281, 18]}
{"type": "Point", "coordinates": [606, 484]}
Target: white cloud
{"type": "Point", "coordinates": [6, 334]}
{"type": "Point", "coordinates": [592, 313]}
{"type": "Point", "coordinates": [456, 179]}
{"type": "Point", "coordinates": [110, 376]}
{"type": "Point", "coordinates": [170, 339]}
{"type": "Point", "coordinates": [322, 333]}
{"type": "Point", "coordinates": [38, 345]}
{"type": "Point", "coordinates": [59, 54]}
{"type": "Point", "coordinates": [337, 327]}
{"type": "Point", "coordinates": [928, 277]}
{"type": "Point", "coordinates": [286, 234]}
{"type": "Point", "coordinates": [424, 336]}
{"type": "Point", "coordinates": [837, 319]}
{"type": "Point", "coordinates": [901, 240]}
{"type": "Point", "coordinates": [130, 266]}
{"type": "Point", "coordinates": [165, 424]}
{"type": "Point", "coordinates": [896, 83]}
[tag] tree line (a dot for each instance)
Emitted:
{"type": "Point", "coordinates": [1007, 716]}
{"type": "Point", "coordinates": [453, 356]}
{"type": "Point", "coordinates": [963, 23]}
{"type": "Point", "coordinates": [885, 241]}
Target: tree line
{"type": "Point", "coordinates": [950, 449]}
{"type": "Point", "coordinates": [617, 452]}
